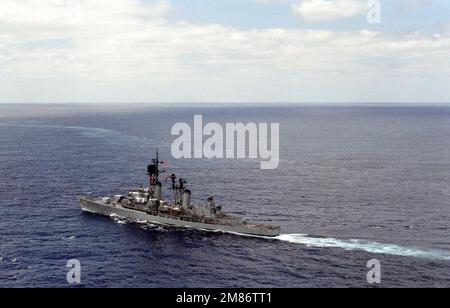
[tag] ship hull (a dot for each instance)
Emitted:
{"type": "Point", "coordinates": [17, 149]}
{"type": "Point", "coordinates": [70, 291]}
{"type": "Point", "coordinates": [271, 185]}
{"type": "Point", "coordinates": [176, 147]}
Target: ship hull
{"type": "Point", "coordinates": [100, 208]}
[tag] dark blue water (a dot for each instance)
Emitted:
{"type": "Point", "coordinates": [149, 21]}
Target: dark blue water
{"type": "Point", "coordinates": [355, 183]}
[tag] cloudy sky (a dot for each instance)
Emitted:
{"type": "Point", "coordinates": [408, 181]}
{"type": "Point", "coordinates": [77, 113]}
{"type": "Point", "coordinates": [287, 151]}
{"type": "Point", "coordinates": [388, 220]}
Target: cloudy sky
{"type": "Point", "coordinates": [224, 51]}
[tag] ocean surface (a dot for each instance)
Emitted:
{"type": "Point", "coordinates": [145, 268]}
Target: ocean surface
{"type": "Point", "coordinates": [355, 183]}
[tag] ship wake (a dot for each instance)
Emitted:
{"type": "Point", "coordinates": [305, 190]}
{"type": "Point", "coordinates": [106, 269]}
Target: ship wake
{"type": "Point", "coordinates": [329, 242]}
{"type": "Point", "coordinates": [367, 246]}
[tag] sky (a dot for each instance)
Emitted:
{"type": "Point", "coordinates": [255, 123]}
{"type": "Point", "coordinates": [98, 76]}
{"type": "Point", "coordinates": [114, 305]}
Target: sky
{"type": "Point", "coordinates": [302, 51]}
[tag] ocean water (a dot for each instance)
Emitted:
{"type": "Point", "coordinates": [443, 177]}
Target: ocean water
{"type": "Point", "coordinates": [355, 183]}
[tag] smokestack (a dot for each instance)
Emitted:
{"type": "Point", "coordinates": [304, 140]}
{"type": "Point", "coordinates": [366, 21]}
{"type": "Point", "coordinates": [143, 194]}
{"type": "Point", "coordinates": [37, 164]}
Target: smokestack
{"type": "Point", "coordinates": [187, 199]}
{"type": "Point", "coordinates": [157, 191]}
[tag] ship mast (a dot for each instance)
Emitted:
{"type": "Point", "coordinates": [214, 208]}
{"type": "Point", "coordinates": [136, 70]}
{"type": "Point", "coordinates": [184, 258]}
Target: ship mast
{"type": "Point", "coordinates": [153, 170]}
{"type": "Point", "coordinates": [157, 165]}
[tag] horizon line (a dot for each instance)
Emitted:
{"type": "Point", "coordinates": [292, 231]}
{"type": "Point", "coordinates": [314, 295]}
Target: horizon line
{"type": "Point", "coordinates": [224, 103]}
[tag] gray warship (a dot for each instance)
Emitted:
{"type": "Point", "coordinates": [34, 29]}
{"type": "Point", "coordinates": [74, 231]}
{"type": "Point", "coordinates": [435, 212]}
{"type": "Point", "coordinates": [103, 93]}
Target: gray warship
{"type": "Point", "coordinates": [148, 205]}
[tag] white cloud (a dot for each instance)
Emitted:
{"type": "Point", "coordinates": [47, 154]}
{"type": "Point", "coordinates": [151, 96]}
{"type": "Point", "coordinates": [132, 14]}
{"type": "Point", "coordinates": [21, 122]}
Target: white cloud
{"type": "Point", "coordinates": [326, 10]}
{"type": "Point", "coordinates": [98, 50]}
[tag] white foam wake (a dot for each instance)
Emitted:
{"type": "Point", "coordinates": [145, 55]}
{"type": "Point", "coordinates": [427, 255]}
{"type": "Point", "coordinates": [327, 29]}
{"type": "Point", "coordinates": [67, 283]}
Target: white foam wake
{"type": "Point", "coordinates": [90, 132]}
{"type": "Point", "coordinates": [368, 246]}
